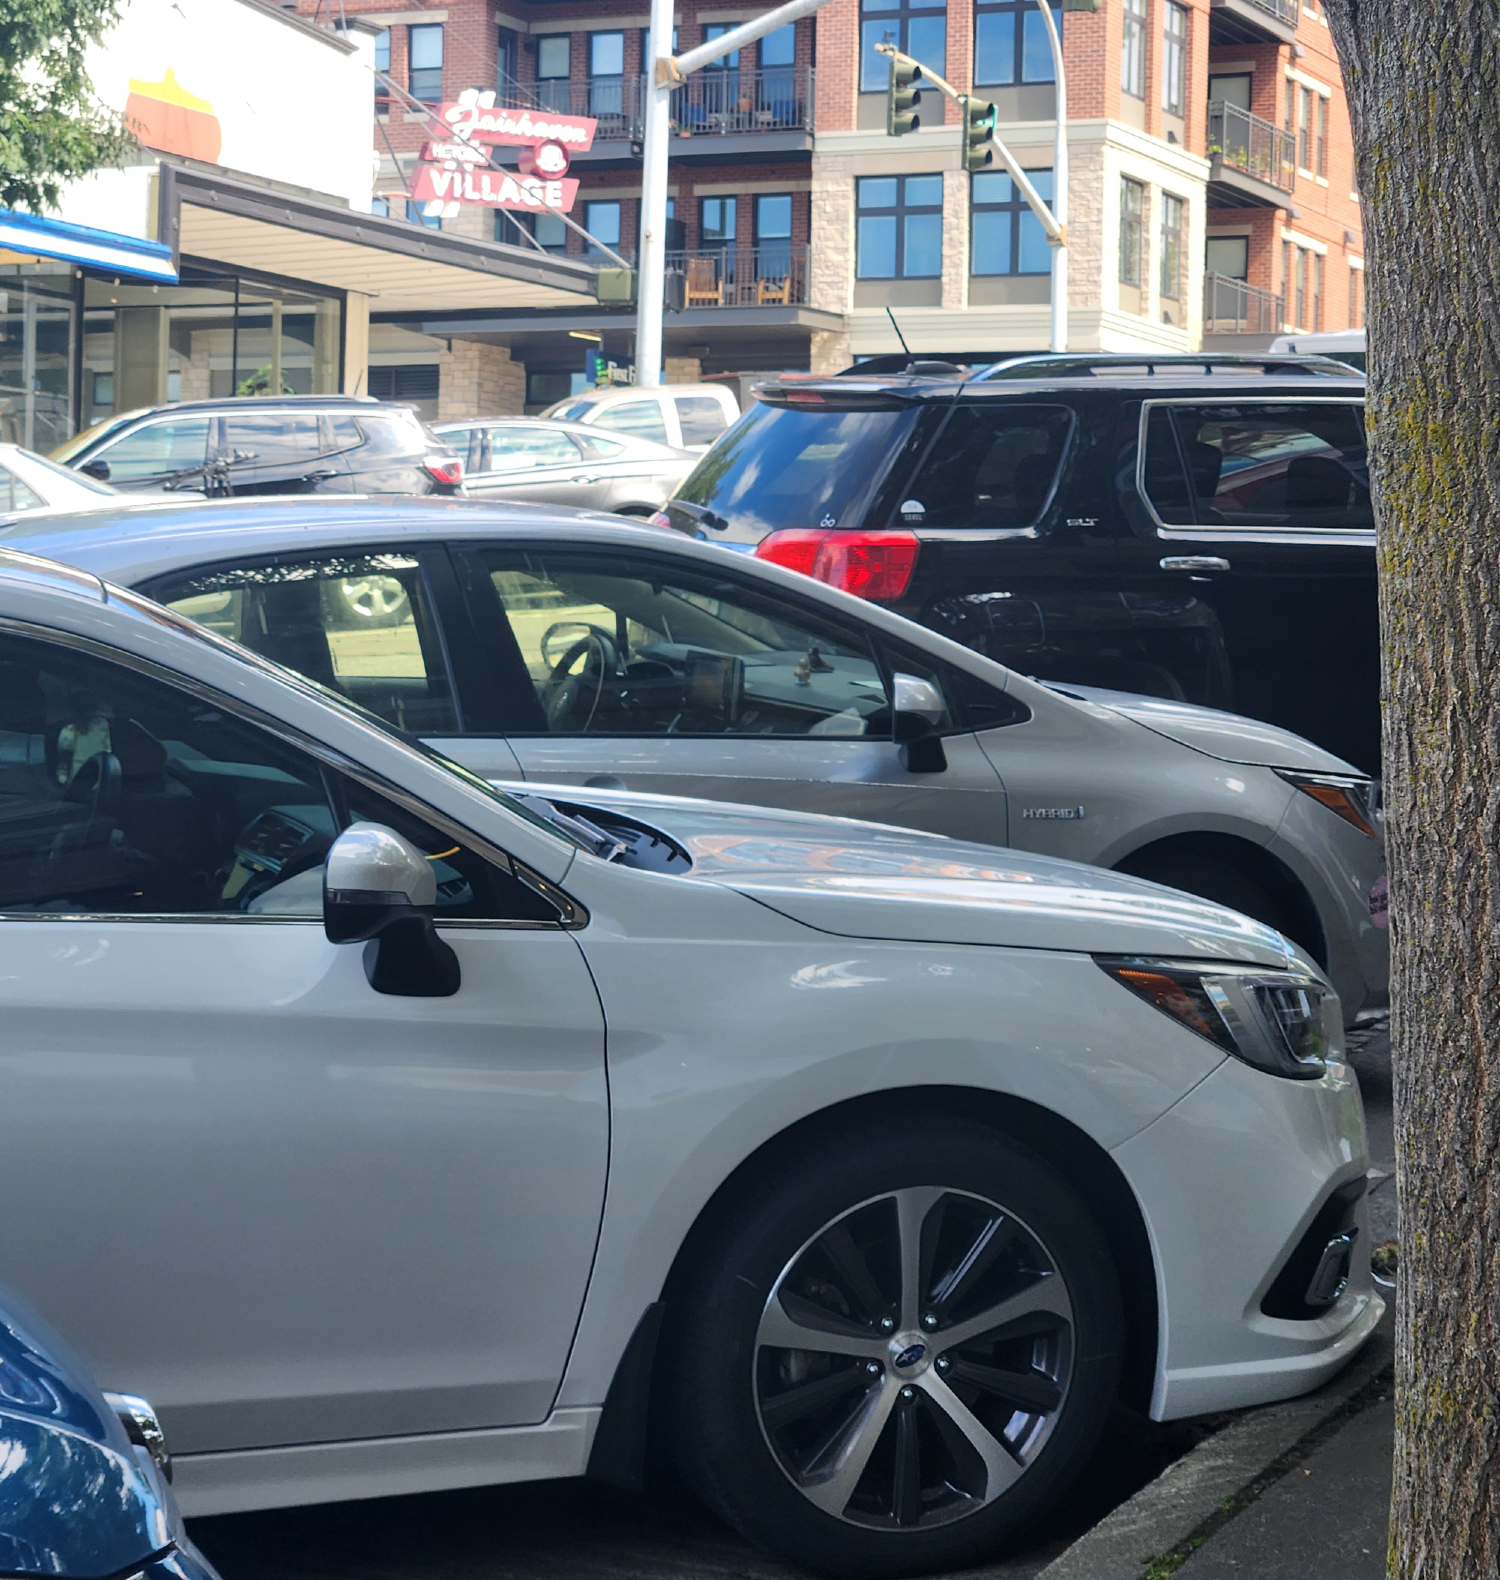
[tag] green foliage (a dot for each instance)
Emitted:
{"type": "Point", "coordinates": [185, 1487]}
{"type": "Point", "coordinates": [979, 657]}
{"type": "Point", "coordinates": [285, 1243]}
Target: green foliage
{"type": "Point", "coordinates": [52, 128]}
{"type": "Point", "coordinates": [259, 383]}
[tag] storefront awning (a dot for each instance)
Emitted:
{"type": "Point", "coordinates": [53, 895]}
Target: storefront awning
{"type": "Point", "coordinates": [24, 237]}
{"type": "Point", "coordinates": [404, 267]}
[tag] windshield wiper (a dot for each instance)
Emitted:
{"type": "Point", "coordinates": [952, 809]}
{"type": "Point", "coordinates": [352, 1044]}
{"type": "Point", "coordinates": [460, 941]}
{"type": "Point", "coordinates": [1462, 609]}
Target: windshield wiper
{"type": "Point", "coordinates": [586, 835]}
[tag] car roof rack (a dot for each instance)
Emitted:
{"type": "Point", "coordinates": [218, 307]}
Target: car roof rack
{"type": "Point", "coordinates": [1065, 364]}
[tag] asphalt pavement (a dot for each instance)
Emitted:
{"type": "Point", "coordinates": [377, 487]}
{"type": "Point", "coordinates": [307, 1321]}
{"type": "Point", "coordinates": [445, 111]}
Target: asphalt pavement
{"type": "Point", "coordinates": [1323, 1516]}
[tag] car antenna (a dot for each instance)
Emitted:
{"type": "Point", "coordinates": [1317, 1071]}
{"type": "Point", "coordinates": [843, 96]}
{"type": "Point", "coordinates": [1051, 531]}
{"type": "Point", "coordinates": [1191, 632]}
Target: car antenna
{"type": "Point", "coordinates": [897, 327]}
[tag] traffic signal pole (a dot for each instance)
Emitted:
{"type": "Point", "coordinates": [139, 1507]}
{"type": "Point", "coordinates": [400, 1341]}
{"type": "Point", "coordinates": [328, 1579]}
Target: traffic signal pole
{"type": "Point", "coordinates": [667, 71]}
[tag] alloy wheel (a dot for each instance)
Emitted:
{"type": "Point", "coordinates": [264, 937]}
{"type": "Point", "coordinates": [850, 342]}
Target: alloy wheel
{"type": "Point", "coordinates": [373, 597]}
{"type": "Point", "coordinates": [913, 1358]}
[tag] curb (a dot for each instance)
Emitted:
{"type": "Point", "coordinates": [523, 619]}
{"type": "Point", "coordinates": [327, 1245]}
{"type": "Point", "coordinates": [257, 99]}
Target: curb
{"type": "Point", "coordinates": [1167, 1520]}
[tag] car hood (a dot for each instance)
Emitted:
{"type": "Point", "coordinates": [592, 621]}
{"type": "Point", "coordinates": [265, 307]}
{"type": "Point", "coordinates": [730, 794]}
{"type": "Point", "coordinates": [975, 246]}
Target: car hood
{"type": "Point", "coordinates": [77, 1499]}
{"type": "Point", "coordinates": [1230, 737]}
{"type": "Point", "coordinates": [868, 880]}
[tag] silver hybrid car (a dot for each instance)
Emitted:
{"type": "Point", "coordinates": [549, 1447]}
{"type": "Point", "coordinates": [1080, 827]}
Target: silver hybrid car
{"type": "Point", "coordinates": [563, 649]}
{"type": "Point", "coordinates": [565, 463]}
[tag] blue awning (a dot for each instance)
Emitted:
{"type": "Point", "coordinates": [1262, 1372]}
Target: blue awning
{"type": "Point", "coordinates": [104, 250]}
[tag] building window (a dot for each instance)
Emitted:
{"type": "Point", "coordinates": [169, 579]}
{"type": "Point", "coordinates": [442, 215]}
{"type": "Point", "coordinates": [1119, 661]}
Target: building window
{"type": "Point", "coordinates": [1304, 130]}
{"type": "Point", "coordinates": [1317, 290]}
{"type": "Point", "coordinates": [380, 205]}
{"type": "Point", "coordinates": [606, 54]}
{"type": "Point", "coordinates": [1132, 231]}
{"type": "Point", "coordinates": [602, 222]}
{"type": "Point", "coordinates": [779, 48]}
{"type": "Point", "coordinates": [426, 73]}
{"type": "Point", "coordinates": [1011, 43]}
{"type": "Point", "coordinates": [548, 229]}
{"type": "Point", "coordinates": [607, 79]}
{"type": "Point", "coordinates": [1172, 210]}
{"type": "Point", "coordinates": [900, 228]}
{"type": "Point", "coordinates": [1228, 257]}
{"type": "Point", "coordinates": [716, 216]}
{"type": "Point", "coordinates": [1005, 236]}
{"type": "Point", "coordinates": [417, 217]}
{"type": "Point", "coordinates": [1322, 164]}
{"type": "Point", "coordinates": [1133, 57]}
{"type": "Point", "coordinates": [506, 75]}
{"type": "Point", "coordinates": [773, 235]}
{"type": "Point", "coordinates": [1174, 58]}
{"type": "Point", "coordinates": [552, 57]}
{"type": "Point", "coordinates": [1299, 291]}
{"type": "Point", "coordinates": [1356, 298]}
{"type": "Point", "coordinates": [917, 27]}
{"type": "Point", "coordinates": [382, 64]}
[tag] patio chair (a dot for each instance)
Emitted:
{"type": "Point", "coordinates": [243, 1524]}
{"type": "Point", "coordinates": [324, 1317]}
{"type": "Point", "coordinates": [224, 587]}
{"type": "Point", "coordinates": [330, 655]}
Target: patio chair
{"type": "Point", "coordinates": [703, 287]}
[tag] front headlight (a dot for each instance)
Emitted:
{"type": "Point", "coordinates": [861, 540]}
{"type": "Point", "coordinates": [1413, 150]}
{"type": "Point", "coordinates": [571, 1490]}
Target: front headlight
{"type": "Point", "coordinates": [1351, 798]}
{"type": "Point", "coordinates": [1284, 1022]}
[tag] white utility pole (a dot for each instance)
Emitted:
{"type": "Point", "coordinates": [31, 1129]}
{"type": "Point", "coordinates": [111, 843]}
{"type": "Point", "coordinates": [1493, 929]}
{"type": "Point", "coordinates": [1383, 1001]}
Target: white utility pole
{"type": "Point", "coordinates": [1059, 188]}
{"type": "Point", "coordinates": [664, 71]}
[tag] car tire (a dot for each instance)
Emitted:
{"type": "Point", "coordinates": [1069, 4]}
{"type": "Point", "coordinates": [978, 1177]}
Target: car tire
{"type": "Point", "coordinates": [772, 1437]}
{"type": "Point", "coordinates": [1210, 878]}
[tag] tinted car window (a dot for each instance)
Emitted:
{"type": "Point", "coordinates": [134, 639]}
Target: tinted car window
{"type": "Point", "coordinates": [159, 449]}
{"type": "Point", "coordinates": [344, 433]}
{"type": "Point", "coordinates": [702, 418]}
{"type": "Point", "coordinates": [595, 445]}
{"type": "Point", "coordinates": [619, 645]}
{"type": "Point", "coordinates": [358, 624]}
{"type": "Point", "coordinates": [272, 439]}
{"type": "Point", "coordinates": [992, 466]}
{"type": "Point", "coordinates": [122, 795]}
{"type": "Point", "coordinates": [783, 466]}
{"type": "Point", "coordinates": [1291, 465]}
{"type": "Point", "coordinates": [530, 446]}
{"type": "Point", "coordinates": [643, 418]}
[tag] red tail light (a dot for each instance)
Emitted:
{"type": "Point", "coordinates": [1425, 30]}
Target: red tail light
{"type": "Point", "coordinates": [660, 519]}
{"type": "Point", "coordinates": [873, 565]}
{"type": "Point", "coordinates": [447, 469]}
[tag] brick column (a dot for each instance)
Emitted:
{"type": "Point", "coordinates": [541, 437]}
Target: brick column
{"type": "Point", "coordinates": [684, 370]}
{"type": "Point", "coordinates": [478, 380]}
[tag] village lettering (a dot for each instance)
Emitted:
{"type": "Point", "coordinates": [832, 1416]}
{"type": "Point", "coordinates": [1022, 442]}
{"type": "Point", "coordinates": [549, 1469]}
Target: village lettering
{"type": "Point", "coordinates": [493, 187]}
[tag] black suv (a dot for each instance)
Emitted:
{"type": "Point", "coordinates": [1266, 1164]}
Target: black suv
{"type": "Point", "coordinates": [260, 444]}
{"type": "Point", "coordinates": [1195, 528]}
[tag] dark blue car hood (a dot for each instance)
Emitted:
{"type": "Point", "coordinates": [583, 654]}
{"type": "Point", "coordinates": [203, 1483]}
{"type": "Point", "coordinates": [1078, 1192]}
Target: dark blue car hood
{"type": "Point", "coordinates": [75, 1499]}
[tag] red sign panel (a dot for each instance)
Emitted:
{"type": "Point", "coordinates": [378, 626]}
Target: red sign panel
{"type": "Point", "coordinates": [497, 188]}
{"type": "Point", "coordinates": [476, 118]}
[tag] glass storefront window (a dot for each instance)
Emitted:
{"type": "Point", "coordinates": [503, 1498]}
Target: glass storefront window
{"type": "Point", "coordinates": [210, 336]}
{"type": "Point", "coordinates": [36, 354]}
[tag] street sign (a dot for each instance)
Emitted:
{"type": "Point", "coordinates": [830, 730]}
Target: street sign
{"type": "Point", "coordinates": [475, 118]}
{"type": "Point", "coordinates": [496, 188]}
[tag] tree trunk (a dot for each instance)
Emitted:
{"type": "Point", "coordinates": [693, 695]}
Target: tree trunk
{"type": "Point", "coordinates": [1425, 101]}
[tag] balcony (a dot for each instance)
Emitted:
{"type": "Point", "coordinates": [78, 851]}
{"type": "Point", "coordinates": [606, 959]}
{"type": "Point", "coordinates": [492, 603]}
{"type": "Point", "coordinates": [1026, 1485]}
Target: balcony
{"type": "Point", "coordinates": [1253, 21]}
{"type": "Point", "coordinates": [1252, 163]}
{"type": "Point", "coordinates": [770, 111]}
{"type": "Point", "coordinates": [773, 275]}
{"type": "Point", "coordinates": [1235, 307]}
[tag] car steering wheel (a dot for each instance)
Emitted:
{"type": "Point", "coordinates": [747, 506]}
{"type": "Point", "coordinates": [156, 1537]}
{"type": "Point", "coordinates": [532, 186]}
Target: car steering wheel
{"type": "Point", "coordinates": [563, 691]}
{"type": "Point", "coordinates": [97, 785]}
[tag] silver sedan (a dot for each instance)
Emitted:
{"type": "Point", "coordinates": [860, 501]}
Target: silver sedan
{"type": "Point", "coordinates": [564, 463]}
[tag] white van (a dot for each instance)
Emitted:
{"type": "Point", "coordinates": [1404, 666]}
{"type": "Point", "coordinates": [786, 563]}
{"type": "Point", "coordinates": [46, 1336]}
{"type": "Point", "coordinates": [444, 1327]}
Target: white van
{"type": "Point", "coordinates": [685, 416]}
{"type": "Point", "coordinates": [1348, 345]}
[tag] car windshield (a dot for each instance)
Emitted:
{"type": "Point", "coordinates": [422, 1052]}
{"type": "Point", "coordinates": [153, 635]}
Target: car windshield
{"type": "Point", "coordinates": [569, 410]}
{"type": "Point", "coordinates": [77, 479]}
{"type": "Point", "coordinates": [190, 628]}
{"type": "Point", "coordinates": [786, 466]}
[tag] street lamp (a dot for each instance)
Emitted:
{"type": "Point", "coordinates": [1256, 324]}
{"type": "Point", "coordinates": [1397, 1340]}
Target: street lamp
{"type": "Point", "coordinates": [1059, 186]}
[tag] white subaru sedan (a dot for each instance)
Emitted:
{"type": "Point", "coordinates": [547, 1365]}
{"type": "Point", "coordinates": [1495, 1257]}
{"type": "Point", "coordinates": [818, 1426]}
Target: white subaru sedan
{"type": "Point", "coordinates": [393, 1133]}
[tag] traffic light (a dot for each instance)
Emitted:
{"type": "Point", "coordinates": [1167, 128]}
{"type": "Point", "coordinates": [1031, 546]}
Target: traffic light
{"type": "Point", "coordinates": [979, 128]}
{"type": "Point", "coordinates": [902, 98]}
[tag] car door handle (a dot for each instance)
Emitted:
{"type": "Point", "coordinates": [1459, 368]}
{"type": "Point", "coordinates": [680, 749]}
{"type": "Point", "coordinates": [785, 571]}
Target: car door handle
{"type": "Point", "coordinates": [582, 479]}
{"type": "Point", "coordinates": [1193, 562]}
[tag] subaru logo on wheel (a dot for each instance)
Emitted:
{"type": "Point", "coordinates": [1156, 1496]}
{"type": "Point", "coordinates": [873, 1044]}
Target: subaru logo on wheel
{"type": "Point", "coordinates": [910, 1355]}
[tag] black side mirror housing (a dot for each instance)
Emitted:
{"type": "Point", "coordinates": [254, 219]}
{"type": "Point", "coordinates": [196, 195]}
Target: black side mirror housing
{"type": "Point", "coordinates": [380, 890]}
{"type": "Point", "coordinates": [98, 470]}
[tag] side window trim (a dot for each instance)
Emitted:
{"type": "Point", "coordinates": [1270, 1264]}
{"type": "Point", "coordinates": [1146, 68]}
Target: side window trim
{"type": "Point", "coordinates": [331, 764]}
{"type": "Point", "coordinates": [1357, 538]}
{"type": "Point", "coordinates": [503, 699]}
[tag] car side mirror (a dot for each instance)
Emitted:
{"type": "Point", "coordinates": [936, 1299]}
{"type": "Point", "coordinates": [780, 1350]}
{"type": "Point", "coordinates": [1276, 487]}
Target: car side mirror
{"type": "Point", "coordinates": [917, 714]}
{"type": "Point", "coordinates": [98, 470]}
{"type": "Point", "coordinates": [380, 890]}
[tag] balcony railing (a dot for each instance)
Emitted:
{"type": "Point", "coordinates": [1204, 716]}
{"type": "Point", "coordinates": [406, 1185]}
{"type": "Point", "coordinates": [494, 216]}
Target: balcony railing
{"type": "Point", "coordinates": [1253, 146]}
{"type": "Point", "coordinates": [1235, 307]}
{"type": "Point", "coordinates": [1282, 10]}
{"type": "Point", "coordinates": [771, 275]}
{"type": "Point", "coordinates": [713, 103]}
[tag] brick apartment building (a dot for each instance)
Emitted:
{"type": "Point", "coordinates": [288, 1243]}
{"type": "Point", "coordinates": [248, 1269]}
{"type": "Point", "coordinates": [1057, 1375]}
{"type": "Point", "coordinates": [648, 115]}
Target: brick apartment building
{"type": "Point", "coordinates": [1211, 190]}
